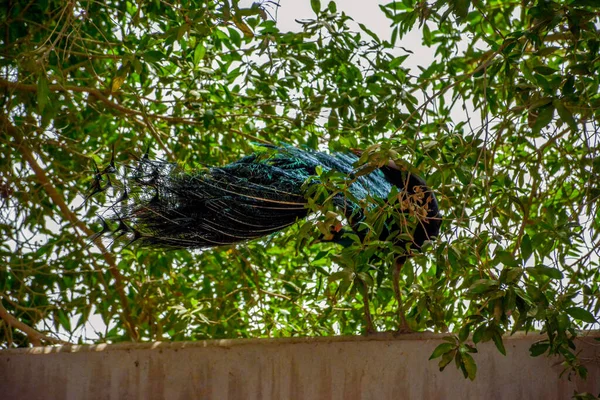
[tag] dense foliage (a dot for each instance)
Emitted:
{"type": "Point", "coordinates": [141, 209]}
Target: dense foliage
{"type": "Point", "coordinates": [503, 125]}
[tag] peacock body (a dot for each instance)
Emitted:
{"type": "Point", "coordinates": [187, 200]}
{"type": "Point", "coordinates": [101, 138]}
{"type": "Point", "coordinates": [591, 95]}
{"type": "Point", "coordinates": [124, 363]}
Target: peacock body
{"type": "Point", "coordinates": [166, 207]}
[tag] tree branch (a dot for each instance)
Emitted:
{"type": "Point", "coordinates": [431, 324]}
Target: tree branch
{"type": "Point", "coordinates": [70, 88]}
{"type": "Point", "coordinates": [71, 217]}
{"type": "Point", "coordinates": [34, 336]}
{"type": "Point", "coordinates": [100, 96]}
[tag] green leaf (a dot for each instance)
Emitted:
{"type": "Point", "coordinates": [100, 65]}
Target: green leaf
{"type": "Point", "coordinates": [506, 258]}
{"type": "Point", "coordinates": [470, 366]}
{"type": "Point", "coordinates": [545, 271]}
{"type": "Point", "coordinates": [527, 71]}
{"type": "Point", "coordinates": [482, 285]}
{"type": "Point", "coordinates": [344, 274]}
{"type": "Point", "coordinates": [513, 275]}
{"type": "Point", "coordinates": [537, 349]}
{"type": "Point", "coordinates": [235, 36]}
{"type": "Point", "coordinates": [199, 53]}
{"type": "Point", "coordinates": [569, 86]}
{"type": "Point", "coordinates": [581, 314]}
{"type": "Point", "coordinates": [446, 359]}
{"type": "Point", "coordinates": [497, 338]}
{"type": "Point", "coordinates": [426, 35]}
{"type": "Point", "coordinates": [544, 70]}
{"type": "Point", "coordinates": [544, 118]}
{"type": "Point", "coordinates": [580, 69]}
{"type": "Point", "coordinates": [397, 61]}
{"type": "Point", "coordinates": [481, 334]}
{"type": "Point", "coordinates": [365, 277]}
{"type": "Point", "coordinates": [565, 115]}
{"type": "Point", "coordinates": [182, 30]}
{"type": "Point", "coordinates": [461, 8]}
{"type": "Point", "coordinates": [526, 247]}
{"type": "Point", "coordinates": [316, 6]}
{"type": "Point", "coordinates": [343, 287]}
{"type": "Point", "coordinates": [369, 32]}
{"type": "Point", "coordinates": [442, 349]}
{"type": "Point", "coordinates": [153, 56]}
{"type": "Point", "coordinates": [64, 320]}
{"type": "Point", "coordinates": [463, 333]}
{"type": "Point", "coordinates": [43, 93]}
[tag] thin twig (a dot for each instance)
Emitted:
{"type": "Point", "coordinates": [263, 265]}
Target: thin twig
{"type": "Point", "coordinates": [483, 65]}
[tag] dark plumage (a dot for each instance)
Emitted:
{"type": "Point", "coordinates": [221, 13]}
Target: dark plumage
{"type": "Point", "coordinates": [260, 194]}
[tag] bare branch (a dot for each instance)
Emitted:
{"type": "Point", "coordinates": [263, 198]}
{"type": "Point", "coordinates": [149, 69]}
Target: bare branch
{"type": "Point", "coordinates": [36, 338]}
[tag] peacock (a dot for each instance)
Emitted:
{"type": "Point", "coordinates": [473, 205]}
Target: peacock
{"type": "Point", "coordinates": [161, 205]}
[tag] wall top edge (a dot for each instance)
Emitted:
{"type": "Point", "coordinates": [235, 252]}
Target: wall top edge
{"type": "Point", "coordinates": [587, 336]}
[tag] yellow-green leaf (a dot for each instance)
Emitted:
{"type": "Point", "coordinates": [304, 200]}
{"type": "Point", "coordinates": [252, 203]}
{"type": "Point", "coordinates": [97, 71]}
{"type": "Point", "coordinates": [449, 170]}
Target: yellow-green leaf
{"type": "Point", "coordinates": [117, 83]}
{"type": "Point", "coordinates": [470, 366]}
{"type": "Point", "coordinates": [446, 359]}
{"type": "Point", "coordinates": [199, 53]}
{"type": "Point", "coordinates": [242, 26]}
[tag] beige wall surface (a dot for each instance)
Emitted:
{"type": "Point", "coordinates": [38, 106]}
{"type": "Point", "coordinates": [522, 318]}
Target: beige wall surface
{"type": "Point", "coordinates": [374, 367]}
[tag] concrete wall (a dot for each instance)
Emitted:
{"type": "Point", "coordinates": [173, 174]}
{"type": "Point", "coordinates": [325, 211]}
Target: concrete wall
{"type": "Point", "coordinates": [377, 367]}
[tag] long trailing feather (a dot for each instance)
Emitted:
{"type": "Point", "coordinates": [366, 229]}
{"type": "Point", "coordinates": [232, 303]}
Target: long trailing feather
{"type": "Point", "coordinates": [163, 206]}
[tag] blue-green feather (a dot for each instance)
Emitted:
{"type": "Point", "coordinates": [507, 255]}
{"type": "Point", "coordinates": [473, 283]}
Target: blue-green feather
{"type": "Point", "coordinates": [255, 196]}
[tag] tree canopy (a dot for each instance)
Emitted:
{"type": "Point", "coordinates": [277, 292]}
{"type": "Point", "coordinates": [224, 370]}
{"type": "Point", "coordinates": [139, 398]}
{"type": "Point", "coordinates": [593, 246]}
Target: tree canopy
{"type": "Point", "coordinates": [503, 124]}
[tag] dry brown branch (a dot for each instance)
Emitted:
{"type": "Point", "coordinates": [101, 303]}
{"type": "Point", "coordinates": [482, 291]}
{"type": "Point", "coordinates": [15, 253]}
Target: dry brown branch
{"type": "Point", "coordinates": [36, 338]}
